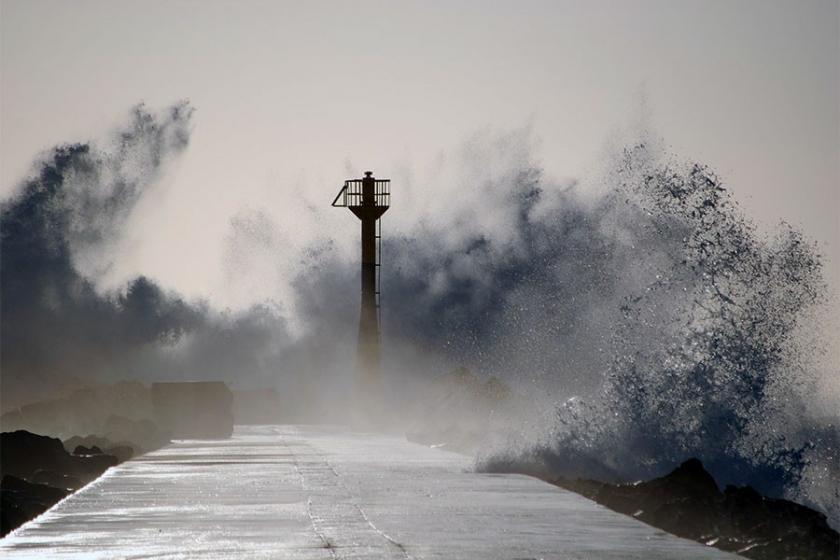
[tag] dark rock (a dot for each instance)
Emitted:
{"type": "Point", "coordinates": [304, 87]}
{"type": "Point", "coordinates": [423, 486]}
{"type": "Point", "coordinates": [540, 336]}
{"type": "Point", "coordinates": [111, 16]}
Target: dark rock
{"type": "Point", "coordinates": [70, 444]}
{"type": "Point", "coordinates": [683, 502]}
{"type": "Point", "coordinates": [779, 528]}
{"type": "Point", "coordinates": [89, 467]}
{"type": "Point", "coordinates": [121, 452]}
{"type": "Point", "coordinates": [22, 453]}
{"type": "Point", "coordinates": [89, 441]}
{"type": "Point", "coordinates": [688, 503]}
{"type": "Point", "coordinates": [82, 450]}
{"type": "Point", "coordinates": [21, 501]}
{"type": "Point", "coordinates": [57, 480]}
{"type": "Point", "coordinates": [38, 471]}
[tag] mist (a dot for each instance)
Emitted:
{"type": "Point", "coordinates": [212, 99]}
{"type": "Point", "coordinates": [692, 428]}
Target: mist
{"type": "Point", "coordinates": [594, 299]}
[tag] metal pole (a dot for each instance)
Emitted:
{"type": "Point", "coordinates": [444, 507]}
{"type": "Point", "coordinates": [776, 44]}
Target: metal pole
{"type": "Point", "coordinates": [368, 353]}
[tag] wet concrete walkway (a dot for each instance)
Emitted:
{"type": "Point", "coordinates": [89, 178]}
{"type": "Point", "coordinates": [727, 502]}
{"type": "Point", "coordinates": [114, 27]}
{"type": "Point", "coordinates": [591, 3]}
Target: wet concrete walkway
{"type": "Point", "coordinates": [316, 492]}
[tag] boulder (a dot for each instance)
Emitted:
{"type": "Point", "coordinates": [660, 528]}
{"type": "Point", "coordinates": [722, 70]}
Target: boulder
{"type": "Point", "coordinates": [688, 503]}
{"type": "Point", "coordinates": [777, 528]}
{"type": "Point", "coordinates": [38, 471]}
{"type": "Point", "coordinates": [91, 445]}
{"type": "Point", "coordinates": [82, 450]}
{"type": "Point", "coordinates": [57, 479]}
{"type": "Point", "coordinates": [22, 453]}
{"type": "Point", "coordinates": [89, 467]}
{"type": "Point", "coordinates": [72, 443]}
{"type": "Point", "coordinates": [683, 502]}
{"type": "Point", "coordinates": [121, 452]}
{"type": "Point", "coordinates": [21, 501]}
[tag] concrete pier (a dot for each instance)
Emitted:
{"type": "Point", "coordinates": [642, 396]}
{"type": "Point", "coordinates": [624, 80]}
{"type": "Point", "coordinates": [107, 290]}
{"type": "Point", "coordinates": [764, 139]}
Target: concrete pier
{"type": "Point", "coordinates": [327, 493]}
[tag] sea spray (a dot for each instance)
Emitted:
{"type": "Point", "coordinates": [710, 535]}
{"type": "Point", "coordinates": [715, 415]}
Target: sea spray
{"type": "Point", "coordinates": [674, 322]}
{"type": "Point", "coordinates": [708, 360]}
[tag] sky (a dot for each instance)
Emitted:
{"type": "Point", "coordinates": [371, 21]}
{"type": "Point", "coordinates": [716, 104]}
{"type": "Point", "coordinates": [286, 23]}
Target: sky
{"type": "Point", "coordinates": [292, 98]}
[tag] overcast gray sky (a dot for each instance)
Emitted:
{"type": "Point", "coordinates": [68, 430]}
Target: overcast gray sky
{"type": "Point", "coordinates": [297, 95]}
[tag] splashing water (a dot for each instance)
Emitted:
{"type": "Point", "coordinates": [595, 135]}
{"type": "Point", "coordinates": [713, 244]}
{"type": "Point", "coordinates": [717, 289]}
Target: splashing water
{"type": "Point", "coordinates": [680, 327]}
{"type": "Point", "coordinates": [708, 358]}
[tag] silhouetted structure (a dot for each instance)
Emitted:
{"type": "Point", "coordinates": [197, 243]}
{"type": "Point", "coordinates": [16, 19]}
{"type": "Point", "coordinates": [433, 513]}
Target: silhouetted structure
{"type": "Point", "coordinates": [368, 199]}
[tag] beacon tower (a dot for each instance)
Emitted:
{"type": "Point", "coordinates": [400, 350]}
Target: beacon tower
{"type": "Point", "coordinates": [368, 198]}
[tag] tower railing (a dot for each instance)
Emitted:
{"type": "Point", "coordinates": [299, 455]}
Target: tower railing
{"type": "Point", "coordinates": [351, 195]}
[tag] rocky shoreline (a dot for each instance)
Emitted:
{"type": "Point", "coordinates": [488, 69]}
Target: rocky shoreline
{"type": "Point", "coordinates": [39, 471]}
{"type": "Point", "coordinates": [688, 503]}
{"type": "Point", "coordinates": [123, 420]}
{"type": "Point", "coordinates": [463, 413]}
